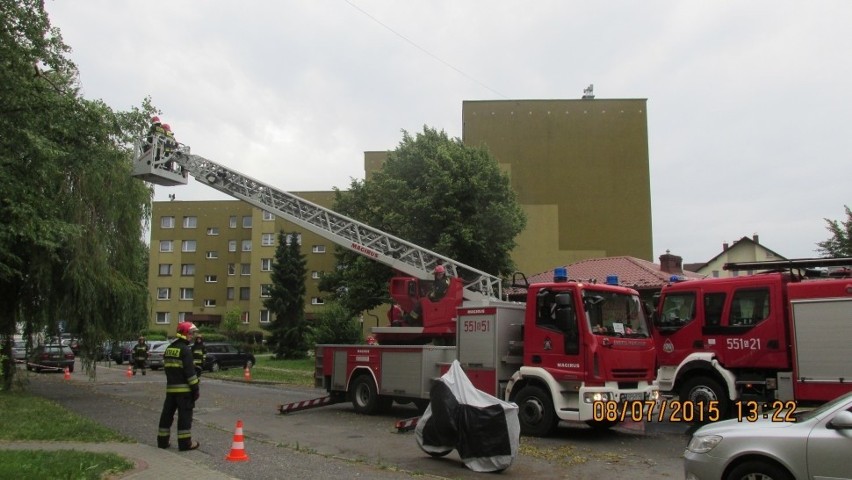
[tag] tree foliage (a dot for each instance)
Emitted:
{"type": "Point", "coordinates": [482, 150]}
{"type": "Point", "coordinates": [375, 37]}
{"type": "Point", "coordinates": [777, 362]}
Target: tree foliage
{"type": "Point", "coordinates": [335, 324]}
{"type": "Point", "coordinates": [71, 216]}
{"type": "Point", "coordinates": [286, 300]}
{"type": "Point", "coordinates": [840, 243]}
{"type": "Point", "coordinates": [437, 193]}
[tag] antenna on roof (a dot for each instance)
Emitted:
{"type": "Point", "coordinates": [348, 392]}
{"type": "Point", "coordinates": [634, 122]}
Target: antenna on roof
{"type": "Point", "coordinates": [589, 92]}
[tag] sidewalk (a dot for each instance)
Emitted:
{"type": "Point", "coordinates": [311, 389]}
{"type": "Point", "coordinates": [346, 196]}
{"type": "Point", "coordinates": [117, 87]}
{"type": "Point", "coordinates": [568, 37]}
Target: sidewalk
{"type": "Point", "coordinates": [151, 463]}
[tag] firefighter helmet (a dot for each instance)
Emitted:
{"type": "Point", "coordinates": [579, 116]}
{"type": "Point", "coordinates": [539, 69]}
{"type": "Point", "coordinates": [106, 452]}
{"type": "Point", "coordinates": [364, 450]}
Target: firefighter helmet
{"type": "Point", "coordinates": [186, 328]}
{"type": "Point", "coordinates": [155, 119]}
{"type": "Point", "coordinates": [440, 269]}
{"type": "Point", "coordinates": [167, 127]}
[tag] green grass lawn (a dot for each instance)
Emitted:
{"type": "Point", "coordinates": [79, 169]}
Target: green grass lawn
{"type": "Point", "coordinates": [268, 369]}
{"type": "Point", "coordinates": [27, 417]}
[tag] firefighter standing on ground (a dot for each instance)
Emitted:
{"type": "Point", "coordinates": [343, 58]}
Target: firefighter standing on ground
{"type": "Point", "coordinates": [199, 351]}
{"type": "Point", "coordinates": [181, 390]}
{"type": "Point", "coordinates": [140, 355]}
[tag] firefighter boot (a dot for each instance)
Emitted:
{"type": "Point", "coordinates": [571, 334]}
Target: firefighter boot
{"type": "Point", "coordinates": [163, 439]}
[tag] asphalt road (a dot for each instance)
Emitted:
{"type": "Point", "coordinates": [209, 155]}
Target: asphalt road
{"type": "Point", "coordinates": [334, 442]}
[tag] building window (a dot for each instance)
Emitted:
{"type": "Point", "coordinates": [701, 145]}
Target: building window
{"type": "Point", "coordinates": [245, 269]}
{"type": "Point", "coordinates": [212, 254]}
{"type": "Point", "coordinates": [166, 246]}
{"type": "Point", "coordinates": [232, 269]}
{"type": "Point", "coordinates": [210, 302]}
{"type": "Point", "coordinates": [246, 245]}
{"type": "Point", "coordinates": [164, 293]}
{"type": "Point", "coordinates": [245, 317]}
{"type": "Point", "coordinates": [188, 246]}
{"type": "Point", "coordinates": [232, 245]}
{"type": "Point", "coordinates": [245, 293]}
{"type": "Point", "coordinates": [316, 275]}
{"type": "Point", "coordinates": [165, 269]}
{"type": "Point", "coordinates": [190, 222]}
{"type": "Point", "coordinates": [265, 264]}
{"type": "Point", "coordinates": [187, 293]}
{"type": "Point", "coordinates": [187, 269]}
{"type": "Point", "coordinates": [182, 316]}
{"type": "Point", "coordinates": [290, 239]}
{"type": "Point", "coordinates": [317, 301]}
{"type": "Point", "coordinates": [232, 221]}
{"type": "Point", "coordinates": [267, 239]}
{"type": "Point", "coordinates": [162, 317]}
{"type": "Point", "coordinates": [265, 290]}
{"type": "Point", "coordinates": [268, 215]}
{"type": "Point", "coordinates": [264, 316]}
{"type": "Point", "coordinates": [210, 279]}
{"type": "Point", "coordinates": [318, 249]}
{"type": "Point", "coordinates": [230, 293]}
{"type": "Point", "coordinates": [213, 231]}
{"type": "Point", "coordinates": [167, 222]}
{"type": "Point", "coordinates": [247, 222]}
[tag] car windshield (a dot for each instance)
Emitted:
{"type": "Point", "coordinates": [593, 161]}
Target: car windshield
{"type": "Point", "coordinates": [808, 414]}
{"type": "Point", "coordinates": [612, 313]}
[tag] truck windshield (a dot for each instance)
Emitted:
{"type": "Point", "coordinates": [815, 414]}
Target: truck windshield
{"type": "Point", "coordinates": [615, 314]}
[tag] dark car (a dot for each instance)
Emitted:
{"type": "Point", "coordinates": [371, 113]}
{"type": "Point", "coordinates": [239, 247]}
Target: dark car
{"type": "Point", "coordinates": [224, 355]}
{"type": "Point", "coordinates": [122, 352]}
{"type": "Point", "coordinates": [55, 357]}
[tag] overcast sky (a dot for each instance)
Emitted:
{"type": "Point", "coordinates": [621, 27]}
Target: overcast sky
{"type": "Point", "coordinates": [748, 102]}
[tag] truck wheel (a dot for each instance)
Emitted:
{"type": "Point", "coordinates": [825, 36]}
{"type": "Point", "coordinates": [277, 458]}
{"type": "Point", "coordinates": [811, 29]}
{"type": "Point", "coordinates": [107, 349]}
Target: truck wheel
{"type": "Point", "coordinates": [535, 412]}
{"type": "Point", "coordinates": [365, 397]}
{"type": "Point", "coordinates": [706, 390]}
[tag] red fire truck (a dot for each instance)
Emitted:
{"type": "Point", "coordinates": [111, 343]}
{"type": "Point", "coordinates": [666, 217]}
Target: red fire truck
{"type": "Point", "coordinates": [573, 351]}
{"type": "Point", "coordinates": [778, 335]}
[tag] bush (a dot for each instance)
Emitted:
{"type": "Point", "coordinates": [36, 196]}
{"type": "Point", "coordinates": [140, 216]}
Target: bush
{"type": "Point", "coordinates": [335, 324]}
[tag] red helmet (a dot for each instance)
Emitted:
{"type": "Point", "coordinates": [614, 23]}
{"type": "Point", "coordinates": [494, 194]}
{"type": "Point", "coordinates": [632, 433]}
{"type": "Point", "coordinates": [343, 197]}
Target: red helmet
{"type": "Point", "coordinates": [155, 119]}
{"type": "Point", "coordinates": [440, 269]}
{"type": "Point", "coordinates": [167, 127]}
{"type": "Point", "coordinates": [185, 328]}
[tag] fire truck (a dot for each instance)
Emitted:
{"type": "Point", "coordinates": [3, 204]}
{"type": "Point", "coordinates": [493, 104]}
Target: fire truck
{"type": "Point", "coordinates": [781, 335]}
{"type": "Point", "coordinates": [571, 352]}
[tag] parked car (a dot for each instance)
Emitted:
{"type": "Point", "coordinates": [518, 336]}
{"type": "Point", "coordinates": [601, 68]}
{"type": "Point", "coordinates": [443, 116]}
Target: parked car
{"type": "Point", "coordinates": [51, 357]}
{"type": "Point", "coordinates": [155, 356]}
{"type": "Point", "coordinates": [766, 444]}
{"type": "Point", "coordinates": [122, 352]}
{"type": "Point", "coordinates": [222, 355]}
{"type": "Point", "coordinates": [156, 348]}
{"type": "Point", "coordinates": [19, 350]}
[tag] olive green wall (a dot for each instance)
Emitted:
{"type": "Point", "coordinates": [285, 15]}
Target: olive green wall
{"type": "Point", "coordinates": [580, 170]}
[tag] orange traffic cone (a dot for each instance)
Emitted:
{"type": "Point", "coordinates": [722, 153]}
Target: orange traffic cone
{"type": "Point", "coordinates": [247, 374]}
{"type": "Point", "coordinates": [67, 375]}
{"type": "Point", "coordinates": [129, 371]}
{"type": "Point", "coordinates": [238, 452]}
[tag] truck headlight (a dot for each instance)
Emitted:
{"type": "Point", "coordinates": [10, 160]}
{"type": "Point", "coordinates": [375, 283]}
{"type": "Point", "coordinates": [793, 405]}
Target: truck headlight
{"type": "Point", "coordinates": [703, 443]}
{"type": "Point", "coordinates": [592, 397]}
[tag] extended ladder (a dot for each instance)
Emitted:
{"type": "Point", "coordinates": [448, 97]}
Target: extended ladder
{"type": "Point", "coordinates": [344, 231]}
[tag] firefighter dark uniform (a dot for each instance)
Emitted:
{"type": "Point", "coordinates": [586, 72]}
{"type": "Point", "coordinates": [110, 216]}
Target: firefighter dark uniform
{"type": "Point", "coordinates": [199, 351]}
{"type": "Point", "coordinates": [140, 355]}
{"type": "Point", "coordinates": [181, 390]}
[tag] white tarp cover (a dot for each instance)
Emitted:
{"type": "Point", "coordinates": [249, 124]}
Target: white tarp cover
{"type": "Point", "coordinates": [483, 428]}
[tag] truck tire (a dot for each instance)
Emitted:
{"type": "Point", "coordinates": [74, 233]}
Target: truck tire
{"type": "Point", "coordinates": [535, 412]}
{"type": "Point", "coordinates": [704, 389]}
{"type": "Point", "coordinates": [364, 396]}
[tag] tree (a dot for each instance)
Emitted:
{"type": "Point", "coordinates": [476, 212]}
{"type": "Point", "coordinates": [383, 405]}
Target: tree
{"type": "Point", "coordinates": [286, 300]}
{"type": "Point", "coordinates": [840, 243]}
{"type": "Point", "coordinates": [71, 216]}
{"type": "Point", "coordinates": [437, 193]}
{"type": "Point", "coordinates": [336, 324]}
{"type": "Point", "coordinates": [231, 323]}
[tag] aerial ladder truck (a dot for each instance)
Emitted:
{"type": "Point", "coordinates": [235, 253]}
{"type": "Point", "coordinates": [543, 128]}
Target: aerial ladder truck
{"type": "Point", "coordinates": [574, 351]}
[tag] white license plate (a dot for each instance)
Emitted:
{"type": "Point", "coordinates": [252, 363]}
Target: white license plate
{"type": "Point", "coordinates": [629, 397]}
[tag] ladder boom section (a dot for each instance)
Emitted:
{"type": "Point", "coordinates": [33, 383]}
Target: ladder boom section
{"type": "Point", "coordinates": [346, 232]}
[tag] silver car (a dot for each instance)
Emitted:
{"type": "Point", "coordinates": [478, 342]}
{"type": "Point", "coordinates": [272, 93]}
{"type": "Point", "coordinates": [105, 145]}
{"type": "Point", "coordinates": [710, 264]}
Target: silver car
{"type": "Point", "coordinates": [808, 445]}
